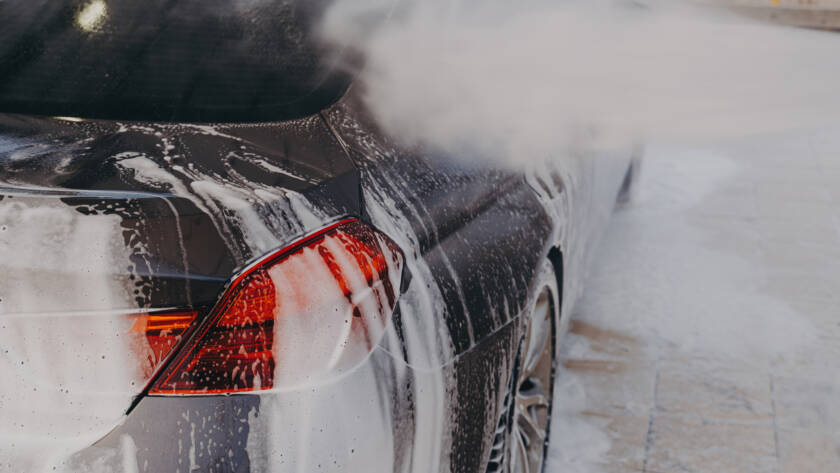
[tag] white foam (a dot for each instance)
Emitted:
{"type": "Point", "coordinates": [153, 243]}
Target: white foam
{"type": "Point", "coordinates": [67, 377]}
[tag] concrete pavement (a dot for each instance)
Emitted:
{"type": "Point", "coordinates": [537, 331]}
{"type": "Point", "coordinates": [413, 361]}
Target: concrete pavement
{"type": "Point", "coordinates": [708, 338]}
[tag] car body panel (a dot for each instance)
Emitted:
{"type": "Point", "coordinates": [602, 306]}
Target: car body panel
{"type": "Point", "coordinates": [189, 206]}
{"type": "Point", "coordinates": [231, 192]}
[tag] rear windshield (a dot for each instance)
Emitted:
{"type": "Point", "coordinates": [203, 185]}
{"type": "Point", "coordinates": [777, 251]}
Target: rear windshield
{"type": "Point", "coordinates": [166, 60]}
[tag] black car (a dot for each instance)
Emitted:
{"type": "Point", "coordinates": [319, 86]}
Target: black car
{"type": "Point", "coordinates": [213, 259]}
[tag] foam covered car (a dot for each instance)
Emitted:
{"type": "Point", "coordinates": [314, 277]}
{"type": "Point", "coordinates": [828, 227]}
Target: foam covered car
{"type": "Point", "coordinates": [213, 259]}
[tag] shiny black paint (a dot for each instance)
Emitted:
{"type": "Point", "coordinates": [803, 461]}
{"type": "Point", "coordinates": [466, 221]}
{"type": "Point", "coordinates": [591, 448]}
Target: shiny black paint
{"type": "Point", "coordinates": [166, 60]}
{"type": "Point", "coordinates": [78, 160]}
{"type": "Point", "coordinates": [481, 230]}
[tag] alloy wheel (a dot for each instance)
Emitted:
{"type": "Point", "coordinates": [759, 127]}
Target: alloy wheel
{"type": "Point", "coordinates": [533, 390]}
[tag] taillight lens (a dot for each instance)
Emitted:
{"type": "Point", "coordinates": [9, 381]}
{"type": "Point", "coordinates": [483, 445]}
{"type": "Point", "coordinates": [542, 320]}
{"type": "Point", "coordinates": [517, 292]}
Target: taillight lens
{"type": "Point", "coordinates": [163, 332]}
{"type": "Point", "coordinates": [311, 310]}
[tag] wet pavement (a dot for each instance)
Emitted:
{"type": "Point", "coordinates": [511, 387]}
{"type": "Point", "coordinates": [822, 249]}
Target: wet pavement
{"type": "Point", "coordinates": [708, 337]}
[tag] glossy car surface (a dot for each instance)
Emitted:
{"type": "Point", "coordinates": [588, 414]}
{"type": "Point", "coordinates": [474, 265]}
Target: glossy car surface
{"type": "Point", "coordinates": [106, 222]}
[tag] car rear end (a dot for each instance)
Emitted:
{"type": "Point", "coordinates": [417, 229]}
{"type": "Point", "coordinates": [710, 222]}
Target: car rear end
{"type": "Point", "coordinates": [178, 294]}
{"type": "Point", "coordinates": [178, 297]}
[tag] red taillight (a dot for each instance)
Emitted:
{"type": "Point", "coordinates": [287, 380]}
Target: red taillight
{"type": "Point", "coordinates": [163, 332]}
{"type": "Point", "coordinates": [310, 310]}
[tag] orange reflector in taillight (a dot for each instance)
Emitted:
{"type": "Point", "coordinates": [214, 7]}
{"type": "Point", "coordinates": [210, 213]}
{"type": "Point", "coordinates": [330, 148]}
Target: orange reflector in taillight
{"type": "Point", "coordinates": [163, 332]}
{"type": "Point", "coordinates": [311, 310]}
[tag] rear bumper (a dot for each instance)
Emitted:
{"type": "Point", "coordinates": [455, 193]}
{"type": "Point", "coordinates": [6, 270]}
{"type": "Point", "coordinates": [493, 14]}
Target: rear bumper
{"type": "Point", "coordinates": [348, 424]}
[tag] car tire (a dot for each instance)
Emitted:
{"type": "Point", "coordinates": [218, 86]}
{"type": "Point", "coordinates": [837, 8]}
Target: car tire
{"type": "Point", "coordinates": [521, 438]}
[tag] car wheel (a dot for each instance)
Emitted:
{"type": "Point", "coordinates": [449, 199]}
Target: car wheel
{"type": "Point", "coordinates": [522, 436]}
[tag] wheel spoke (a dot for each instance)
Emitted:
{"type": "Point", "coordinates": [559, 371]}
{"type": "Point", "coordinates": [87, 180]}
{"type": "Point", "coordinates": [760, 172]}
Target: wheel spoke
{"type": "Point", "coordinates": [521, 459]}
{"type": "Point", "coordinates": [531, 427]}
{"type": "Point", "coordinates": [535, 398]}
